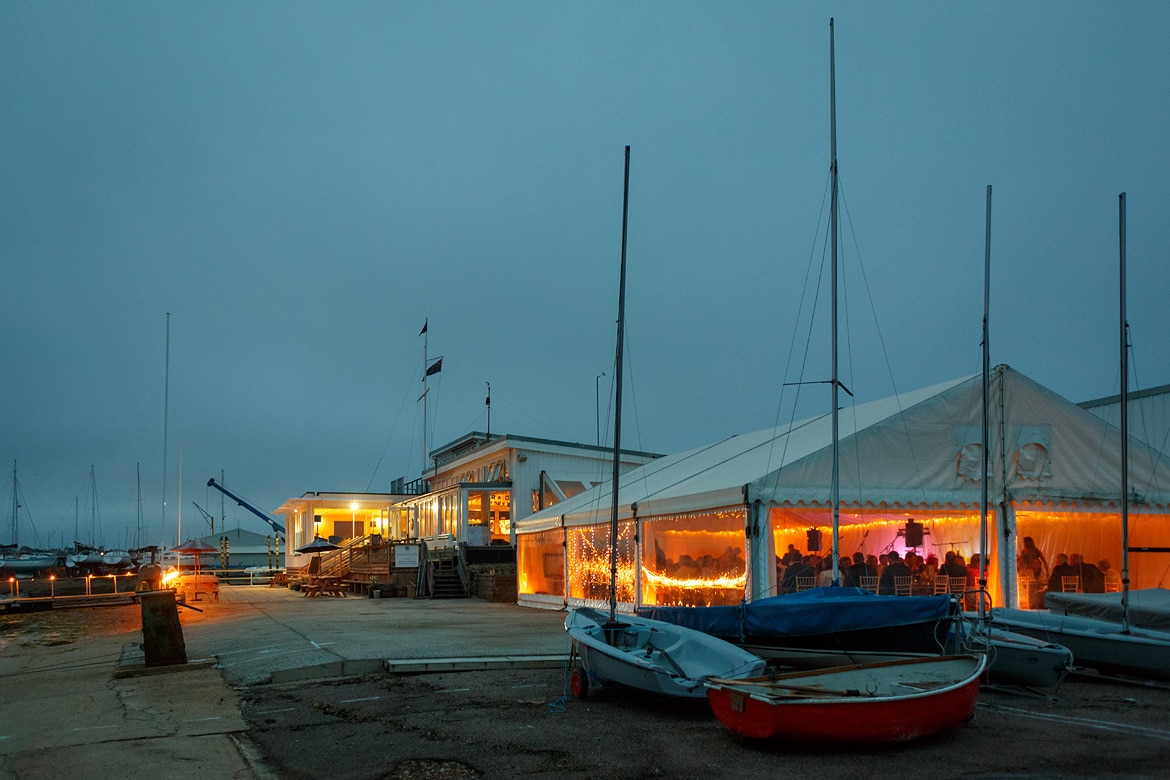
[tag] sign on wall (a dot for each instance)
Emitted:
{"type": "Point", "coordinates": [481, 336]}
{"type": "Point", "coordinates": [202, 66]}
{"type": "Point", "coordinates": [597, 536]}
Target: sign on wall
{"type": "Point", "coordinates": [406, 556]}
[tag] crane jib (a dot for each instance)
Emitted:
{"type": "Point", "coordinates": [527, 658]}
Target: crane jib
{"type": "Point", "coordinates": [275, 525]}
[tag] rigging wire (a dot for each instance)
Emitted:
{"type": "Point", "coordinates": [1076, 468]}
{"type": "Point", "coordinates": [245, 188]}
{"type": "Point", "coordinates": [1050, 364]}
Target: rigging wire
{"type": "Point", "coordinates": [884, 351]}
{"type": "Point", "coordinates": [795, 333]}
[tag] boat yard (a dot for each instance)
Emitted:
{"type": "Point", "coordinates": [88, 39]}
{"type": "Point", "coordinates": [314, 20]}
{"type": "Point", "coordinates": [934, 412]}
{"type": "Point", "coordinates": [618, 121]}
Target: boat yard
{"type": "Point", "coordinates": [301, 687]}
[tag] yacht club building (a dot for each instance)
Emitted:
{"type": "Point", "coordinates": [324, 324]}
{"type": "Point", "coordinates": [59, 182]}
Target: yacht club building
{"type": "Point", "coordinates": [473, 492]}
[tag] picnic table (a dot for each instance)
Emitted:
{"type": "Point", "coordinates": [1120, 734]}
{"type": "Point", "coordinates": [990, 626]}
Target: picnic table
{"type": "Point", "coordinates": [323, 585]}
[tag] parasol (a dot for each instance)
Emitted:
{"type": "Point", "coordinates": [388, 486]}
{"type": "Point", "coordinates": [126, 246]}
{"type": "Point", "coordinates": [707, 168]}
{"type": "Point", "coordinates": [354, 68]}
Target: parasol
{"type": "Point", "coordinates": [318, 545]}
{"type": "Point", "coordinates": [196, 548]}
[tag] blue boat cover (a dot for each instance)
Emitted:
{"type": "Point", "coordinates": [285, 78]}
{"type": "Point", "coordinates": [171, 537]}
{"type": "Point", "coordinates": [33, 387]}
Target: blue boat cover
{"type": "Point", "coordinates": [812, 612]}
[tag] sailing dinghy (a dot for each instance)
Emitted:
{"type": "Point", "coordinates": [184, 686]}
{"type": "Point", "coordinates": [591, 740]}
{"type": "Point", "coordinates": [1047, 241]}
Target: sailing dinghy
{"type": "Point", "coordinates": [646, 654]}
{"type": "Point", "coordinates": [651, 655]}
{"type": "Point", "coordinates": [878, 703]}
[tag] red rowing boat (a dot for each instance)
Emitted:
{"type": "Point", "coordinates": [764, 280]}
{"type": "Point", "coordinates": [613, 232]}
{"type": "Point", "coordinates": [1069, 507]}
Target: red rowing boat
{"type": "Point", "coordinates": [895, 701]}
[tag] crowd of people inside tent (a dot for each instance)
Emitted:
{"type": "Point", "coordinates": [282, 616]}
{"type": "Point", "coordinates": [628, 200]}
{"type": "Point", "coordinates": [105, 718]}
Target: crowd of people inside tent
{"type": "Point", "coordinates": [879, 573]}
{"type": "Point", "coordinates": [1071, 573]}
{"type": "Point", "coordinates": [797, 571]}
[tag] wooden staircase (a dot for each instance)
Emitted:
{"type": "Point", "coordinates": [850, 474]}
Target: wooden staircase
{"type": "Point", "coordinates": [445, 580]}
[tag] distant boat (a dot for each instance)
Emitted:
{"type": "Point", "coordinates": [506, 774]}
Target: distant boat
{"type": "Point", "coordinates": [86, 559]}
{"type": "Point", "coordinates": [889, 702]}
{"type": "Point", "coordinates": [119, 559]}
{"type": "Point", "coordinates": [27, 563]}
{"type": "Point", "coordinates": [651, 655]}
{"type": "Point", "coordinates": [12, 560]}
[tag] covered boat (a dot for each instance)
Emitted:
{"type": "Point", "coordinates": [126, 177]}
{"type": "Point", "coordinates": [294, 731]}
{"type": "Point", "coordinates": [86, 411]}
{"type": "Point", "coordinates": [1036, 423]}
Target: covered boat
{"type": "Point", "coordinates": [1013, 658]}
{"type": "Point", "coordinates": [1148, 607]}
{"type": "Point", "coordinates": [1101, 644]}
{"type": "Point", "coordinates": [792, 628]}
{"type": "Point", "coordinates": [651, 655]}
{"type": "Point", "coordinates": [896, 701]}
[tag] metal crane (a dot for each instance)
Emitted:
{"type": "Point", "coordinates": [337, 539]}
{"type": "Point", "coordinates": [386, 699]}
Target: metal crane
{"type": "Point", "coordinates": [275, 525]}
{"type": "Point", "coordinates": [207, 516]}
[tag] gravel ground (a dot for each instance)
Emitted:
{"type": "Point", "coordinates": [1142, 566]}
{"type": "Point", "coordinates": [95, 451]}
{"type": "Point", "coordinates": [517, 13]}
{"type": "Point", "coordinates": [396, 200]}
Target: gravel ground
{"type": "Point", "coordinates": [518, 724]}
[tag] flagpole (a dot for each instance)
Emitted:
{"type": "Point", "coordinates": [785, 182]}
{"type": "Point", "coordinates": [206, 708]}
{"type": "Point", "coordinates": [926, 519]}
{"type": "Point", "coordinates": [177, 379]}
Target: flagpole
{"type": "Point", "coordinates": [426, 339]}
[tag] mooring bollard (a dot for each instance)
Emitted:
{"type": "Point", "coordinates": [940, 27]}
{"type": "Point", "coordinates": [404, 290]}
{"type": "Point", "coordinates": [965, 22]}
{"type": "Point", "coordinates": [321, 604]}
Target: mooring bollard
{"type": "Point", "coordinates": [162, 634]}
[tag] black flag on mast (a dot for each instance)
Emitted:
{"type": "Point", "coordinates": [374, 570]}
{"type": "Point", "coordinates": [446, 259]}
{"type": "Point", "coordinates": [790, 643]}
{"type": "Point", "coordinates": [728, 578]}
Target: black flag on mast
{"type": "Point", "coordinates": [435, 367]}
{"type": "Point", "coordinates": [424, 330]}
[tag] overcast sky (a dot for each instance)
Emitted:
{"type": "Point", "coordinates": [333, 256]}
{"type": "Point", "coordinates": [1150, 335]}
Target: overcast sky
{"type": "Point", "coordinates": [302, 185]}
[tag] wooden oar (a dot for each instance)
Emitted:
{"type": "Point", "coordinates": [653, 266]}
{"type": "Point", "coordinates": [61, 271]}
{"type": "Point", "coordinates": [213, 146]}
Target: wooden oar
{"type": "Point", "coordinates": [804, 690]}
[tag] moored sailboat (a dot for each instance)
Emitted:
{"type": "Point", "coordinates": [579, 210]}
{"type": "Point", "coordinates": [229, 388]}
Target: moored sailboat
{"type": "Point", "coordinates": [1106, 645]}
{"type": "Point", "coordinates": [645, 654]}
{"type": "Point", "coordinates": [892, 701]}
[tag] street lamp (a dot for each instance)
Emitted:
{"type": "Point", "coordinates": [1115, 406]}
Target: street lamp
{"type": "Point", "coordinates": [597, 403]}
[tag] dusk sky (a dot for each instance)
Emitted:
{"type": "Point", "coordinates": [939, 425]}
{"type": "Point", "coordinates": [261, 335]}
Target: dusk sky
{"type": "Point", "coordinates": [303, 185]}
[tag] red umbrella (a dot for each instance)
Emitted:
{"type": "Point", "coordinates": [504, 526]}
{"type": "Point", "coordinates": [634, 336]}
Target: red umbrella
{"type": "Point", "coordinates": [196, 548]}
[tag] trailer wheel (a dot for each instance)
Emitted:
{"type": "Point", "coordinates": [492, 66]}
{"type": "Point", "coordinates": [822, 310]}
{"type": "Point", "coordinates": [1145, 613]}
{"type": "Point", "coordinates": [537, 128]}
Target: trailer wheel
{"type": "Point", "coordinates": [579, 683]}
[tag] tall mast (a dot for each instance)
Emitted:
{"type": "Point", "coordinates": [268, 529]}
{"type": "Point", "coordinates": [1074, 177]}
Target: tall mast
{"type": "Point", "coordinates": [138, 534]}
{"type": "Point", "coordinates": [1124, 329]}
{"type": "Point", "coordinates": [166, 404]}
{"type": "Point", "coordinates": [836, 497]}
{"type": "Point", "coordinates": [15, 510]}
{"type": "Point", "coordinates": [617, 415]}
{"type": "Point", "coordinates": [93, 507]}
{"type": "Point", "coordinates": [180, 534]}
{"type": "Point", "coordinates": [426, 373]}
{"type": "Point", "coordinates": [986, 440]}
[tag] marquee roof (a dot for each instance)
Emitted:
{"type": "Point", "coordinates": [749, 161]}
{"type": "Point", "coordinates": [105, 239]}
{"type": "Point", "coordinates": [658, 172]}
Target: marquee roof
{"type": "Point", "coordinates": [917, 449]}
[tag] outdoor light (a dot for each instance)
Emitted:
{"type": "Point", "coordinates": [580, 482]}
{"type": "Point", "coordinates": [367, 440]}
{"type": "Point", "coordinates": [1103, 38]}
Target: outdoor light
{"type": "Point", "coordinates": [52, 585]}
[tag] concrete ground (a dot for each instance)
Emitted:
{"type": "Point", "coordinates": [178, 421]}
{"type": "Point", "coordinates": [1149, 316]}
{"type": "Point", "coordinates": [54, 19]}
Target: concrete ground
{"type": "Point", "coordinates": [283, 686]}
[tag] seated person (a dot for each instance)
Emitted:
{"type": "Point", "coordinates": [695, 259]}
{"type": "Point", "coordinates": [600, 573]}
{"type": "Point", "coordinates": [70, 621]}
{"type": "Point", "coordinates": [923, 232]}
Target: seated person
{"type": "Point", "coordinates": [1092, 578]}
{"type": "Point", "coordinates": [803, 568]}
{"type": "Point", "coordinates": [895, 568]}
{"type": "Point", "coordinates": [951, 566]}
{"type": "Point", "coordinates": [859, 570]}
{"type": "Point", "coordinates": [1062, 569]}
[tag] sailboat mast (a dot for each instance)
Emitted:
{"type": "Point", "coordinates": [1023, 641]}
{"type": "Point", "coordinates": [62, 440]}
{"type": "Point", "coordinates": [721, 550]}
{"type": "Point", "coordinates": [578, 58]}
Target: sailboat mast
{"type": "Point", "coordinates": [836, 497]}
{"type": "Point", "coordinates": [15, 510]}
{"type": "Point", "coordinates": [1124, 329]}
{"type": "Point", "coordinates": [617, 415]}
{"type": "Point", "coordinates": [986, 440]}
{"type": "Point", "coordinates": [138, 534]}
{"type": "Point", "coordinates": [426, 364]}
{"type": "Point", "coordinates": [166, 407]}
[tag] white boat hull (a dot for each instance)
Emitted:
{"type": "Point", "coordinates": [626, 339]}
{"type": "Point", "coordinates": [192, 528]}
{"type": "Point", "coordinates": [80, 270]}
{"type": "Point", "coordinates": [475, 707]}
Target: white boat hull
{"type": "Point", "coordinates": [1101, 644]}
{"type": "Point", "coordinates": [1014, 658]}
{"type": "Point", "coordinates": [27, 564]}
{"type": "Point", "coordinates": [654, 656]}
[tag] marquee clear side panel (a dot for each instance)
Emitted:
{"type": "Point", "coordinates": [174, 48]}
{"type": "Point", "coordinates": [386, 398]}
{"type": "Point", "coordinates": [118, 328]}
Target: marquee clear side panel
{"type": "Point", "coordinates": [694, 560]}
{"type": "Point", "coordinates": [589, 563]}
{"type": "Point", "coordinates": [540, 563]}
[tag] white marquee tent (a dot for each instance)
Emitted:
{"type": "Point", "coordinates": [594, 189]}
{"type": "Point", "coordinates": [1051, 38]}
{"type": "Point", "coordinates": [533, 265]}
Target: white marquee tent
{"type": "Point", "coordinates": [1054, 475]}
